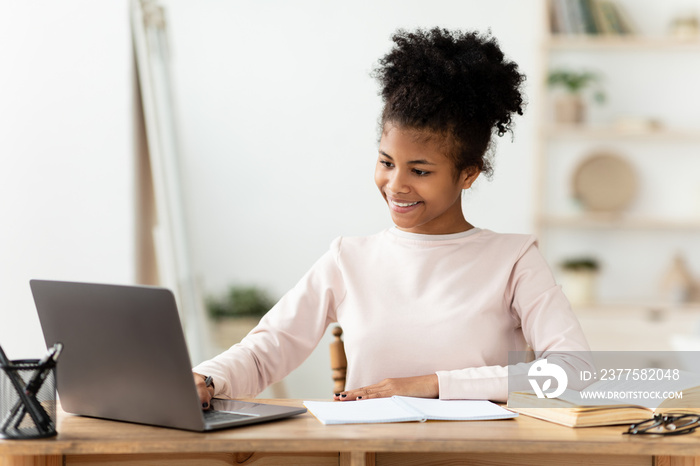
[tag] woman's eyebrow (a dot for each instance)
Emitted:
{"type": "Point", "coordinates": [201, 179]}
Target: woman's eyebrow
{"type": "Point", "coordinates": [411, 162]}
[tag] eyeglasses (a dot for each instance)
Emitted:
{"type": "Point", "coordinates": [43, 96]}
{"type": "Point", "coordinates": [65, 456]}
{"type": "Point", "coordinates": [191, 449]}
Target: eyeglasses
{"type": "Point", "coordinates": [666, 424]}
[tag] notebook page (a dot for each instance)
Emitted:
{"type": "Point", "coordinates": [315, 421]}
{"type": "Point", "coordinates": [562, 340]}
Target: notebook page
{"type": "Point", "coordinates": [360, 412]}
{"type": "Point", "coordinates": [457, 410]}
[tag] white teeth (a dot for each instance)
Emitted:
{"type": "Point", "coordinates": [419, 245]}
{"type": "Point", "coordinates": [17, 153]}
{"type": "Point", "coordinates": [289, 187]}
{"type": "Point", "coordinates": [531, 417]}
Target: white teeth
{"type": "Point", "coordinates": [401, 204]}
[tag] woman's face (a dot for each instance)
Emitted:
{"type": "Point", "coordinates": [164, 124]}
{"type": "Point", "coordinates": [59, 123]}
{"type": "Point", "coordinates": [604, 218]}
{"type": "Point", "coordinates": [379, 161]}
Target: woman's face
{"type": "Point", "coordinates": [418, 182]}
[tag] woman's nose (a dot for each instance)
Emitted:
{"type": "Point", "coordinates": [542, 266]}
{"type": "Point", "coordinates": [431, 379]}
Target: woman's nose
{"type": "Point", "coordinates": [397, 182]}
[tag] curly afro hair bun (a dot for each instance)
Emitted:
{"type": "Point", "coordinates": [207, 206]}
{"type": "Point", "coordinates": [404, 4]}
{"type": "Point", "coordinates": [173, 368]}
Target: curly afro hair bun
{"type": "Point", "coordinates": [452, 83]}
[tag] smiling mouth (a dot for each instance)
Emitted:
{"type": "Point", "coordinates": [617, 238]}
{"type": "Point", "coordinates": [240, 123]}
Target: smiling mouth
{"type": "Point", "coordinates": [404, 204]}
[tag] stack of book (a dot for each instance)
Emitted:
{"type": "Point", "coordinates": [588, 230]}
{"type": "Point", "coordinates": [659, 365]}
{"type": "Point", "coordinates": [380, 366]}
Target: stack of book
{"type": "Point", "coordinates": [594, 17]}
{"type": "Point", "coordinates": [613, 402]}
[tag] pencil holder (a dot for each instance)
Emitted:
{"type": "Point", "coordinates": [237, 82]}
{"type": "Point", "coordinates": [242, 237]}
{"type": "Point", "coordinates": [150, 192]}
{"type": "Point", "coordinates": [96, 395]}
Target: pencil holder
{"type": "Point", "coordinates": [28, 399]}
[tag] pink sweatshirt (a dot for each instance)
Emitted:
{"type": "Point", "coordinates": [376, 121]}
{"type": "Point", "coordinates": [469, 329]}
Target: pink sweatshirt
{"type": "Point", "coordinates": [409, 305]}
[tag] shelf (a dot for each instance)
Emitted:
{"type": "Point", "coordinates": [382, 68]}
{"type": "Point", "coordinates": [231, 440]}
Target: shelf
{"type": "Point", "coordinates": [620, 43]}
{"type": "Point", "coordinates": [582, 132]}
{"type": "Point", "coordinates": [613, 221]}
{"type": "Point", "coordinates": [647, 307]}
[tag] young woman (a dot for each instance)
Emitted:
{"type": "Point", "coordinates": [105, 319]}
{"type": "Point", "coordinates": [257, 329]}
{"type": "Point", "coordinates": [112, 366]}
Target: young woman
{"type": "Point", "coordinates": [430, 307]}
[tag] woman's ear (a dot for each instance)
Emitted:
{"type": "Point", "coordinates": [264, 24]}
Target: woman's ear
{"type": "Point", "coordinates": [469, 176]}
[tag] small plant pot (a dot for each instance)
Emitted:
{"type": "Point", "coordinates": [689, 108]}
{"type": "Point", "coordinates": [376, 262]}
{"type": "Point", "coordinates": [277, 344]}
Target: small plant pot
{"type": "Point", "coordinates": [230, 330]}
{"type": "Point", "coordinates": [569, 109]}
{"type": "Point", "coordinates": [580, 287]}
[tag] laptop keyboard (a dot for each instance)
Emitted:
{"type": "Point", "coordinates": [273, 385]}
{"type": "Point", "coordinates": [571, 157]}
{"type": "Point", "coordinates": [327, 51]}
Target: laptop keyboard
{"type": "Point", "coordinates": [220, 417]}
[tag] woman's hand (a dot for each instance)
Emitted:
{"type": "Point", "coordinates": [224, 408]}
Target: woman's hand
{"type": "Point", "coordinates": [423, 386]}
{"type": "Point", "coordinates": [205, 393]}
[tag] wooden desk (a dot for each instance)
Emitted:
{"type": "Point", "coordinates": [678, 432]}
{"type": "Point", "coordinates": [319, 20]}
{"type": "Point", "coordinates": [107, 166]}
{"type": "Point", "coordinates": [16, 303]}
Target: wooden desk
{"type": "Point", "coordinates": [305, 441]}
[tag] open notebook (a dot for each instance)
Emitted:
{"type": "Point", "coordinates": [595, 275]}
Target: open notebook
{"type": "Point", "coordinates": [405, 409]}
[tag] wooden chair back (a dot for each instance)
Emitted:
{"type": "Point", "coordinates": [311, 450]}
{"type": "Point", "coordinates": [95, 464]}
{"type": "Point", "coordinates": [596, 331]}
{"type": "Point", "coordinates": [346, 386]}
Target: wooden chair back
{"type": "Point", "coordinates": [339, 363]}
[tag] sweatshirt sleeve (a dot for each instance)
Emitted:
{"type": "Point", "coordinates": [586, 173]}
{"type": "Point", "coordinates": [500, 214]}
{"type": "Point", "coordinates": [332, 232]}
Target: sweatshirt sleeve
{"type": "Point", "coordinates": [549, 326]}
{"type": "Point", "coordinates": [285, 336]}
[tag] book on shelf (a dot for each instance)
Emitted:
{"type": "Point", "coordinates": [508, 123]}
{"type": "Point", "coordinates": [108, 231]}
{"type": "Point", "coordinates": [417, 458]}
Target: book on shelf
{"type": "Point", "coordinates": [595, 405]}
{"type": "Point", "coordinates": [588, 17]}
{"type": "Point", "coordinates": [405, 409]}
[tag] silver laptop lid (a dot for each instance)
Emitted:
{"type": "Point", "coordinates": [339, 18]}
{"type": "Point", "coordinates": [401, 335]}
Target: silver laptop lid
{"type": "Point", "coordinates": [125, 356]}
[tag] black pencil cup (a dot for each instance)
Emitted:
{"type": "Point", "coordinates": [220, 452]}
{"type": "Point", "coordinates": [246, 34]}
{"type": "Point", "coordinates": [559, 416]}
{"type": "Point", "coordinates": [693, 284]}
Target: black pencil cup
{"type": "Point", "coordinates": [28, 399]}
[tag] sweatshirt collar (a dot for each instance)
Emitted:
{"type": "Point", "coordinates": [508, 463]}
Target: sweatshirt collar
{"type": "Point", "coordinates": [421, 237]}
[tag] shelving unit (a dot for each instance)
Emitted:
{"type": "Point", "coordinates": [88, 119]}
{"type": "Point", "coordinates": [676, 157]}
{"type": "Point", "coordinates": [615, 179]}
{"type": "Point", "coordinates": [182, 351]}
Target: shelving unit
{"type": "Point", "coordinates": [646, 76]}
{"type": "Point", "coordinates": [619, 43]}
{"type": "Point", "coordinates": [592, 221]}
{"type": "Point", "coordinates": [568, 132]}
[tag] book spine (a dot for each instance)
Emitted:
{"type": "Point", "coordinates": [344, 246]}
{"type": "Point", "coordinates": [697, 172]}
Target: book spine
{"type": "Point", "coordinates": [601, 21]}
{"type": "Point", "coordinates": [562, 16]}
{"type": "Point", "coordinates": [577, 23]}
{"type": "Point", "coordinates": [554, 16]}
{"type": "Point", "coordinates": [588, 19]}
{"type": "Point", "coordinates": [622, 20]}
{"type": "Point", "coordinates": [611, 17]}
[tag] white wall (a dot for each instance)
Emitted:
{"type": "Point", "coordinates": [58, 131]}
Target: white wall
{"type": "Point", "coordinates": [66, 153]}
{"type": "Point", "coordinates": [278, 121]}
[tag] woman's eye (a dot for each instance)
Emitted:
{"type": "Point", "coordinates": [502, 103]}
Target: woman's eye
{"type": "Point", "coordinates": [386, 163]}
{"type": "Point", "coordinates": [421, 172]}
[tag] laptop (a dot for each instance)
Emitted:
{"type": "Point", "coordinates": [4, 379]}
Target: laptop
{"type": "Point", "coordinates": [125, 358]}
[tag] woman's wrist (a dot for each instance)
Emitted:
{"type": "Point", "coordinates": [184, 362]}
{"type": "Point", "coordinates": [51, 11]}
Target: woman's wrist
{"type": "Point", "coordinates": [208, 382]}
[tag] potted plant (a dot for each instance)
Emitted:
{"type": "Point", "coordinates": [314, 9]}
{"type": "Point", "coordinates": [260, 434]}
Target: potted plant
{"type": "Point", "coordinates": [579, 280]}
{"type": "Point", "coordinates": [569, 106]}
{"type": "Point", "coordinates": [237, 312]}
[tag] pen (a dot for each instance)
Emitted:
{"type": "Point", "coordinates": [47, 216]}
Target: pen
{"type": "Point", "coordinates": [208, 382]}
{"type": "Point", "coordinates": [42, 372]}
